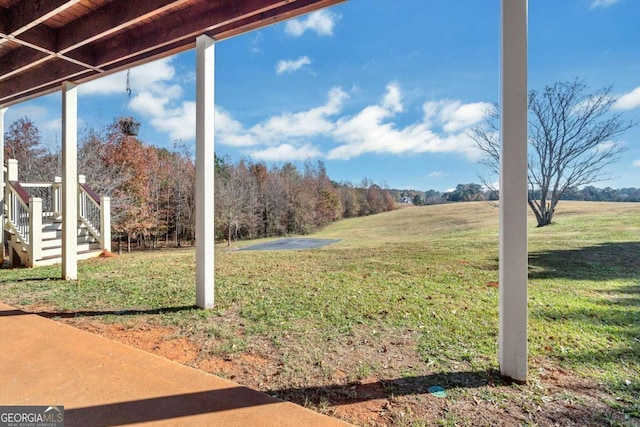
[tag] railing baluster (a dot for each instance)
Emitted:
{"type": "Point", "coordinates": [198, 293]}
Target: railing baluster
{"type": "Point", "coordinates": [90, 212]}
{"type": "Point", "coordinates": [25, 201]}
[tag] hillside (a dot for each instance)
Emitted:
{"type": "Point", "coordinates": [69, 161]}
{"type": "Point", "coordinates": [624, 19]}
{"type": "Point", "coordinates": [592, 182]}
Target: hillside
{"type": "Point", "coordinates": [407, 299]}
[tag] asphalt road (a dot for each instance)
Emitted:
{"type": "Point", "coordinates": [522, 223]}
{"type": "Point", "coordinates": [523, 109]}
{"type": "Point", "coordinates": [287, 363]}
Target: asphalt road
{"type": "Point", "coordinates": [290, 244]}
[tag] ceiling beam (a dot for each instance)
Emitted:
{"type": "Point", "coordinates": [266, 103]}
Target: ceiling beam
{"type": "Point", "coordinates": [3, 21]}
{"type": "Point", "coordinates": [208, 18]}
{"type": "Point", "coordinates": [110, 19]}
{"type": "Point", "coordinates": [125, 35]}
{"type": "Point", "coordinates": [19, 60]}
{"type": "Point", "coordinates": [182, 26]}
{"type": "Point", "coordinates": [57, 70]}
{"type": "Point", "coordinates": [263, 19]}
{"type": "Point", "coordinates": [41, 38]}
{"type": "Point", "coordinates": [29, 13]}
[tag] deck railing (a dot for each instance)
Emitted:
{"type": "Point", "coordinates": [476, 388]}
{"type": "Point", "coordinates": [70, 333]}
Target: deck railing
{"type": "Point", "coordinates": [27, 205]}
{"type": "Point", "coordinates": [51, 195]}
{"type": "Point", "coordinates": [94, 212]}
{"type": "Point", "coordinates": [24, 214]}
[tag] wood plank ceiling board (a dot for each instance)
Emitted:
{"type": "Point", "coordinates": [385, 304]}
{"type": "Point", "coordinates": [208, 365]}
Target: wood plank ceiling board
{"type": "Point", "coordinates": [46, 42]}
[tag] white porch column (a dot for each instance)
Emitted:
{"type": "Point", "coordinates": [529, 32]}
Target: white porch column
{"type": "Point", "coordinates": [2, 192]}
{"type": "Point", "coordinates": [205, 269]}
{"type": "Point", "coordinates": [105, 222]}
{"type": "Point", "coordinates": [69, 181]}
{"type": "Point", "coordinates": [513, 192]}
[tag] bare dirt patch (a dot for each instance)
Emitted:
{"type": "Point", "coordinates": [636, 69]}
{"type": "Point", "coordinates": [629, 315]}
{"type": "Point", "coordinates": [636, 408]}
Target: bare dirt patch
{"type": "Point", "coordinates": [555, 397]}
{"type": "Point", "coordinates": [163, 341]}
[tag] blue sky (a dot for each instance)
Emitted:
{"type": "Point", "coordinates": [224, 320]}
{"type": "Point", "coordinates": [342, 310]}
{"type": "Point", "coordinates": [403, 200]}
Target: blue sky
{"type": "Point", "coordinates": [375, 88]}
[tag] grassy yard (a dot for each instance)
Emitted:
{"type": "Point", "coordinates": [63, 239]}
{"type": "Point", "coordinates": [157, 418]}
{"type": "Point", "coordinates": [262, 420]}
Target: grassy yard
{"type": "Point", "coordinates": [407, 299]}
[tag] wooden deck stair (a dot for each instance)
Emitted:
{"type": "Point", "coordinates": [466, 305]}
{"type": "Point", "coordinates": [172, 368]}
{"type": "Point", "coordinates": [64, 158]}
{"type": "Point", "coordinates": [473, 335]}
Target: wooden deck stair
{"type": "Point", "coordinates": [88, 245]}
{"type": "Point", "coordinates": [32, 220]}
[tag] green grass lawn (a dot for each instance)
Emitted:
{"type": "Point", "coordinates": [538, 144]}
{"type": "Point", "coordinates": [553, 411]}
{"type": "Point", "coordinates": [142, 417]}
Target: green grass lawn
{"type": "Point", "coordinates": [413, 282]}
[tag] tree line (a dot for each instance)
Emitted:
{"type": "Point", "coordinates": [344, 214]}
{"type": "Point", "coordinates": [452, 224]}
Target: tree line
{"type": "Point", "coordinates": [254, 200]}
{"type": "Point", "coordinates": [477, 192]}
{"type": "Point", "coordinates": [152, 189]}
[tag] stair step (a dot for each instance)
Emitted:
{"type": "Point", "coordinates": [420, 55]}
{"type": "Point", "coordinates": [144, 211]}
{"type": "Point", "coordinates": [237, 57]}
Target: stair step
{"type": "Point", "coordinates": [53, 259]}
{"type": "Point", "coordinates": [57, 250]}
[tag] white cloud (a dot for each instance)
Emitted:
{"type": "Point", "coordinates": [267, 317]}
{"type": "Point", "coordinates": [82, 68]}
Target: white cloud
{"type": "Point", "coordinates": [393, 99]}
{"type": "Point", "coordinates": [256, 43]}
{"type": "Point", "coordinates": [303, 124]}
{"type": "Point", "coordinates": [151, 76]}
{"type": "Point", "coordinates": [435, 174]}
{"type": "Point", "coordinates": [492, 186]}
{"type": "Point", "coordinates": [156, 98]}
{"type": "Point", "coordinates": [149, 104]}
{"type": "Point", "coordinates": [292, 135]}
{"type": "Point", "coordinates": [321, 22]}
{"type": "Point", "coordinates": [108, 85]}
{"type": "Point", "coordinates": [53, 125]}
{"type": "Point", "coordinates": [289, 66]}
{"type": "Point", "coordinates": [36, 113]}
{"type": "Point", "coordinates": [454, 116]}
{"type": "Point", "coordinates": [283, 137]}
{"type": "Point", "coordinates": [369, 131]}
{"type": "Point", "coordinates": [636, 163]}
{"type": "Point", "coordinates": [606, 146]}
{"type": "Point", "coordinates": [602, 3]}
{"type": "Point", "coordinates": [179, 122]}
{"type": "Point", "coordinates": [286, 152]}
{"type": "Point", "coordinates": [231, 132]}
{"type": "Point", "coordinates": [628, 101]}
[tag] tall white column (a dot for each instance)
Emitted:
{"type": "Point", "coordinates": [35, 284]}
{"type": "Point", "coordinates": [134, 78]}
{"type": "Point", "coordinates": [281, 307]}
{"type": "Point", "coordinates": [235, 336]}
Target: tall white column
{"type": "Point", "coordinates": [205, 268]}
{"type": "Point", "coordinates": [69, 181]}
{"type": "Point", "coordinates": [2, 192]}
{"type": "Point", "coordinates": [513, 192]}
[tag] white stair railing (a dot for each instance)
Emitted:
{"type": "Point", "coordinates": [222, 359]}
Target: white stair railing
{"type": "Point", "coordinates": [51, 195]}
{"type": "Point", "coordinates": [24, 217]}
{"type": "Point", "coordinates": [19, 211]}
{"type": "Point", "coordinates": [29, 204]}
{"type": "Point", "coordinates": [94, 213]}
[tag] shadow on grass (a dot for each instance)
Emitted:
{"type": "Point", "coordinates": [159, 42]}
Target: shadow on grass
{"type": "Point", "coordinates": [605, 261]}
{"type": "Point", "coordinates": [90, 313]}
{"type": "Point", "coordinates": [97, 313]}
{"type": "Point", "coordinates": [384, 389]}
{"type": "Point", "coordinates": [32, 279]}
{"type": "Point", "coordinates": [613, 317]}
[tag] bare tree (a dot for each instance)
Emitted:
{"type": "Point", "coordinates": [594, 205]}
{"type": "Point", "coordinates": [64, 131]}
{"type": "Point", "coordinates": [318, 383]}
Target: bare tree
{"type": "Point", "coordinates": [236, 199]}
{"type": "Point", "coordinates": [23, 142]}
{"type": "Point", "coordinates": [572, 140]}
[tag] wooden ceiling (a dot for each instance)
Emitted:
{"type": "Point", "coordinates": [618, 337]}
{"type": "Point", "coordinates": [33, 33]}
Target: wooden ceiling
{"type": "Point", "coordinates": [46, 42]}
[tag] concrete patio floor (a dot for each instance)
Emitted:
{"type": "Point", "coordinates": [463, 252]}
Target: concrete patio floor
{"type": "Point", "coordinates": [104, 383]}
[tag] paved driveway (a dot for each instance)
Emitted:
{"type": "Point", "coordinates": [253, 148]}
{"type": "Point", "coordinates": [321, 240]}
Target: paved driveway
{"type": "Point", "coordinates": [289, 244]}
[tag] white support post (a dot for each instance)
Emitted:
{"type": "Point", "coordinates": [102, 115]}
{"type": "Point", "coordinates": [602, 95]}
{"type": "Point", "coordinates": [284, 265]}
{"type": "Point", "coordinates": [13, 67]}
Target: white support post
{"type": "Point", "coordinates": [513, 192]}
{"type": "Point", "coordinates": [69, 181]}
{"type": "Point", "coordinates": [35, 230]}
{"type": "Point", "coordinates": [105, 223]}
{"type": "Point", "coordinates": [12, 170]}
{"type": "Point", "coordinates": [57, 196]}
{"type": "Point", "coordinates": [2, 190]}
{"type": "Point", "coordinates": [12, 175]}
{"type": "Point", "coordinates": [205, 237]}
